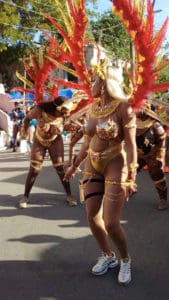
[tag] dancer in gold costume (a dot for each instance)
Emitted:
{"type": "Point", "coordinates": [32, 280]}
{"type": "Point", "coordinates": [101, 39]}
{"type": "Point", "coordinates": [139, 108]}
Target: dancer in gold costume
{"type": "Point", "coordinates": [50, 118]}
{"type": "Point", "coordinates": [109, 170]}
{"type": "Point", "coordinates": [151, 146]}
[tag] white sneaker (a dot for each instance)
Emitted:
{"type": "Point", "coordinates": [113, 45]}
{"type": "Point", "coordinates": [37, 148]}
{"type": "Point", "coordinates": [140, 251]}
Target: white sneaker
{"type": "Point", "coordinates": [104, 263]}
{"type": "Point", "coordinates": [71, 201]}
{"type": "Point", "coordinates": [23, 202]}
{"type": "Point", "coordinates": [124, 276]}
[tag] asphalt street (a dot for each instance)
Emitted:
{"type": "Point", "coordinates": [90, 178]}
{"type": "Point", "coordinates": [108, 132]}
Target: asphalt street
{"type": "Point", "coordinates": [47, 250]}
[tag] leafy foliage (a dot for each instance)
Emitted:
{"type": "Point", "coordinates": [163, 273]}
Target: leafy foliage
{"type": "Point", "coordinates": [23, 20]}
{"type": "Point", "coordinates": [110, 33]}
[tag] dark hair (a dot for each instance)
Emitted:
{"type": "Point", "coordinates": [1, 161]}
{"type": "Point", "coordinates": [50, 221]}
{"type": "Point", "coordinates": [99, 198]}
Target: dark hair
{"type": "Point", "coordinates": [49, 107]}
{"type": "Point", "coordinates": [59, 100]}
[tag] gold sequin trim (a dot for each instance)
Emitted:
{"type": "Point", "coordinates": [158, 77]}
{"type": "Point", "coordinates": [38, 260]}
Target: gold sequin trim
{"type": "Point", "coordinates": [45, 142]}
{"type": "Point", "coordinates": [97, 112]}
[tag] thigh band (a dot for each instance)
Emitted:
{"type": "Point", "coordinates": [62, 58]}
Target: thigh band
{"type": "Point", "coordinates": [58, 164]}
{"type": "Point", "coordinates": [82, 184]}
{"type": "Point", "coordinates": [36, 164]}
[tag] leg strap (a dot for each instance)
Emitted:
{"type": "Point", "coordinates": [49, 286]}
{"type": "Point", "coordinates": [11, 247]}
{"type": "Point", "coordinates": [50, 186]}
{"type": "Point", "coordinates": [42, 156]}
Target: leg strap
{"type": "Point", "coordinates": [59, 168]}
{"type": "Point", "coordinates": [86, 181]}
{"type": "Point", "coordinates": [58, 164]}
{"type": "Point", "coordinates": [36, 164]}
{"type": "Point", "coordinates": [93, 194]}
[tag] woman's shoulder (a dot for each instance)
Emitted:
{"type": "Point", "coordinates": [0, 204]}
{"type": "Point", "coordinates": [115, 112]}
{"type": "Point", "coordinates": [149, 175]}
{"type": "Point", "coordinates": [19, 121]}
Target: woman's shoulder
{"type": "Point", "coordinates": [125, 106]}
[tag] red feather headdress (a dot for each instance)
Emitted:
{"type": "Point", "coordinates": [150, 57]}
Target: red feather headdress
{"type": "Point", "coordinates": [72, 48]}
{"type": "Point", "coordinates": [39, 72]}
{"type": "Point", "coordinates": [71, 51]}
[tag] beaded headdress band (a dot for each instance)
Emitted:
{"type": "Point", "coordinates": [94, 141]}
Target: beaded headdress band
{"type": "Point", "coordinates": [99, 68]}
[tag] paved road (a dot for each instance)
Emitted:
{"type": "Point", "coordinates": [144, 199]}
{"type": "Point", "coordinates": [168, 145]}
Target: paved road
{"type": "Point", "coordinates": [47, 250]}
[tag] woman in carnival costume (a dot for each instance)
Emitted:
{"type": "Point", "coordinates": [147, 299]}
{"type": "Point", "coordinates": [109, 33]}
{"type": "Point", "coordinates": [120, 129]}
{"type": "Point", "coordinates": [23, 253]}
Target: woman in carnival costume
{"type": "Point", "coordinates": [109, 175]}
{"type": "Point", "coordinates": [109, 171]}
{"type": "Point", "coordinates": [50, 118]}
{"type": "Point", "coordinates": [50, 113]}
{"type": "Point", "coordinates": [151, 149]}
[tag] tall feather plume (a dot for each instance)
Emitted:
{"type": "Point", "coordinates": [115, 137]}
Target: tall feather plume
{"type": "Point", "coordinates": [72, 49]}
{"type": "Point", "coordinates": [138, 19]}
{"type": "Point", "coordinates": [39, 72]}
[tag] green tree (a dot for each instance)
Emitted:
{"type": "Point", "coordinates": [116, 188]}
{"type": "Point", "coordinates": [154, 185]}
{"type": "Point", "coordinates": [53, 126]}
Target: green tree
{"type": "Point", "coordinates": [21, 24]}
{"type": "Point", "coordinates": [22, 20]}
{"type": "Point", "coordinates": [109, 32]}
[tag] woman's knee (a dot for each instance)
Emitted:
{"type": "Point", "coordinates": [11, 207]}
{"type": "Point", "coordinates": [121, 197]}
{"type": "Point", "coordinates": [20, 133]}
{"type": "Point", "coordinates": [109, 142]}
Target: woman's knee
{"type": "Point", "coordinates": [94, 219]}
{"type": "Point", "coordinates": [35, 167]}
{"type": "Point", "coordinates": [59, 167]}
{"type": "Point", "coordinates": [112, 227]}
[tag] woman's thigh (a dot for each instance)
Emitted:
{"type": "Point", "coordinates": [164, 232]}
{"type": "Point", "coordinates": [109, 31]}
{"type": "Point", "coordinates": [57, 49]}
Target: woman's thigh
{"type": "Point", "coordinates": [116, 170]}
{"type": "Point", "coordinates": [38, 151]}
{"type": "Point", "coordinates": [56, 150]}
{"type": "Point", "coordinates": [93, 187]}
{"type": "Point", "coordinates": [114, 194]}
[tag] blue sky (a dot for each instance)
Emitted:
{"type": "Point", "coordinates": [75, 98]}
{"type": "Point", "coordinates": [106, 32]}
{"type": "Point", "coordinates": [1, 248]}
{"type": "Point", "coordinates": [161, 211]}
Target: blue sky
{"type": "Point", "coordinates": [162, 5]}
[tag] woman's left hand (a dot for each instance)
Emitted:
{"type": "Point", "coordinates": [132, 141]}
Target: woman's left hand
{"type": "Point", "coordinates": [70, 173]}
{"type": "Point", "coordinates": [130, 189]}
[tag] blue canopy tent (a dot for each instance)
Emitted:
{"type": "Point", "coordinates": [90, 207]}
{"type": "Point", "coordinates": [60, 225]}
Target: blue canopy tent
{"type": "Point", "coordinates": [67, 93]}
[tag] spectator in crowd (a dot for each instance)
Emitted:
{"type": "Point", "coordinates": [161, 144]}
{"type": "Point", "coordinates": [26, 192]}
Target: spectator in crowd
{"type": "Point", "coordinates": [17, 116]}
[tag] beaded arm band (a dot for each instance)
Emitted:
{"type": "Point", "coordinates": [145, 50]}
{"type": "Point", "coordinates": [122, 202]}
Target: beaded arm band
{"type": "Point", "coordinates": [133, 167]}
{"type": "Point", "coordinates": [161, 154]}
{"type": "Point", "coordinates": [132, 175]}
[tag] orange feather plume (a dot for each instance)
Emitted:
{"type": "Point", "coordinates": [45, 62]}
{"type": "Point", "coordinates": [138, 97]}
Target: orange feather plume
{"type": "Point", "coordinates": [138, 19]}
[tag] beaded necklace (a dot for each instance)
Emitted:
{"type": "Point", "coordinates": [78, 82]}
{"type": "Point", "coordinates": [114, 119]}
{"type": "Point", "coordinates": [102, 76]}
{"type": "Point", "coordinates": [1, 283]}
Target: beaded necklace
{"type": "Point", "coordinates": [99, 112]}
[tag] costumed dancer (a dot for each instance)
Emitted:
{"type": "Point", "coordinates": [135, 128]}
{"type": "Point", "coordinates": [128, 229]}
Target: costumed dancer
{"type": "Point", "coordinates": [151, 145]}
{"type": "Point", "coordinates": [109, 171]}
{"type": "Point", "coordinates": [50, 124]}
{"type": "Point", "coordinates": [162, 110]}
{"type": "Point", "coordinates": [50, 112]}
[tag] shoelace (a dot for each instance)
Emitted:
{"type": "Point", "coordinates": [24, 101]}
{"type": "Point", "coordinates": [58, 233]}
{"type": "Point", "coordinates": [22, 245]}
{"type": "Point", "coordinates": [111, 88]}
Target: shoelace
{"type": "Point", "coordinates": [102, 259]}
{"type": "Point", "coordinates": [125, 269]}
